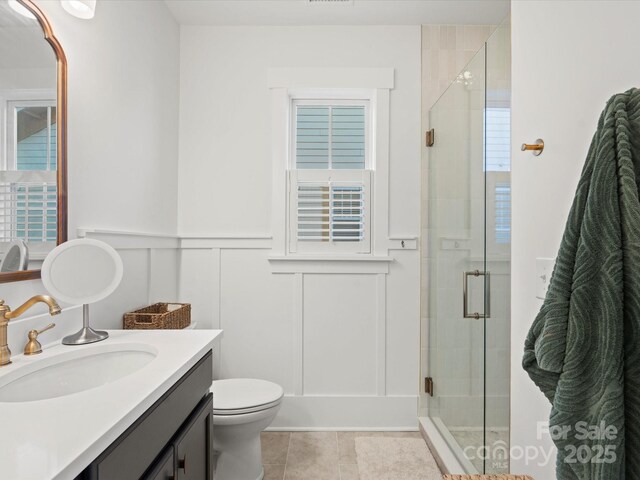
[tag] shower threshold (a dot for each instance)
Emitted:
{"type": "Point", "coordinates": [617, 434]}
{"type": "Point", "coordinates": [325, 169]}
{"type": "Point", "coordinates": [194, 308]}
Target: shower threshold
{"type": "Point", "coordinates": [440, 441]}
{"type": "Point", "coordinates": [448, 447]}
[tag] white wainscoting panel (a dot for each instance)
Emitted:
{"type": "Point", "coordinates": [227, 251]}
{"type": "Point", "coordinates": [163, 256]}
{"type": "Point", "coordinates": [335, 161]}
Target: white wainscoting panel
{"type": "Point", "coordinates": [200, 285]}
{"type": "Point", "coordinates": [343, 343]}
{"type": "Point", "coordinates": [402, 335]}
{"type": "Point", "coordinates": [340, 334]}
{"type": "Point", "coordinates": [256, 314]}
{"type": "Point", "coordinates": [163, 276]}
{"type": "Point", "coordinates": [150, 274]}
{"type": "Point", "coordinates": [132, 293]}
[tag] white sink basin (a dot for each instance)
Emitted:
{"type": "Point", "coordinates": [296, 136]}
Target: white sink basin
{"type": "Point", "coordinates": [74, 371]}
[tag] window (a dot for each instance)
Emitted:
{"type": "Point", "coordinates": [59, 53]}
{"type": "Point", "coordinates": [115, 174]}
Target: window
{"type": "Point", "coordinates": [497, 168]}
{"type": "Point", "coordinates": [336, 169]}
{"type": "Point", "coordinates": [502, 200]}
{"type": "Point", "coordinates": [28, 187]}
{"type": "Point", "coordinates": [330, 176]}
{"type": "Point", "coordinates": [498, 136]}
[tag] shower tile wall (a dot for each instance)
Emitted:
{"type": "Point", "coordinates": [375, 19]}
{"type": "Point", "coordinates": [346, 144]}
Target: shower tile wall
{"type": "Point", "coordinates": [446, 49]}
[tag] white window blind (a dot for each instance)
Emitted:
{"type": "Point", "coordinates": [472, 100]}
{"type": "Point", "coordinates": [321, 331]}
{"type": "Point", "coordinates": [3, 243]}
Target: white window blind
{"type": "Point", "coordinates": [329, 177]}
{"type": "Point", "coordinates": [498, 139]}
{"type": "Point", "coordinates": [28, 206]}
{"type": "Point", "coordinates": [502, 212]}
{"type": "Point", "coordinates": [28, 183]}
{"type": "Point", "coordinates": [330, 136]}
{"type": "Point", "coordinates": [330, 214]}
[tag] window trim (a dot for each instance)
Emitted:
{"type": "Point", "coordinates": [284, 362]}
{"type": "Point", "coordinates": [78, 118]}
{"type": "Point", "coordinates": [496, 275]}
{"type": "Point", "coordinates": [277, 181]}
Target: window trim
{"type": "Point", "coordinates": [11, 159]}
{"type": "Point", "coordinates": [286, 84]}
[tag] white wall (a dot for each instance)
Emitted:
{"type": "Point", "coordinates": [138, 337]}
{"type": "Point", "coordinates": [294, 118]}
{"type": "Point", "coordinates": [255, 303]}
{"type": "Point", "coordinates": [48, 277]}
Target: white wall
{"type": "Point", "coordinates": [568, 58]}
{"type": "Point", "coordinates": [123, 115]}
{"type": "Point", "coordinates": [345, 347]}
{"type": "Point", "coordinates": [122, 149]}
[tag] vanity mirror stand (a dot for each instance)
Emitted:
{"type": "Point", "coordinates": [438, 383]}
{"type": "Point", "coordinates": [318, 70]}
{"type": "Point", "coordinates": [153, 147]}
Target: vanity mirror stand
{"type": "Point", "coordinates": [86, 334]}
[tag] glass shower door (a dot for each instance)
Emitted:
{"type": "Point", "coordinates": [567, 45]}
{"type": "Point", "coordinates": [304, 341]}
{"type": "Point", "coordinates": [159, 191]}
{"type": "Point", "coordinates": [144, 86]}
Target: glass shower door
{"type": "Point", "coordinates": [468, 260]}
{"type": "Point", "coordinates": [457, 280]}
{"type": "Point", "coordinates": [497, 170]}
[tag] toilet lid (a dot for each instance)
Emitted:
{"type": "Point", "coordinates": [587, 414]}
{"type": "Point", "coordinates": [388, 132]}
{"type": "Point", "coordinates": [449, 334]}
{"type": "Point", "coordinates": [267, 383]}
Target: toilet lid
{"type": "Point", "coordinates": [244, 394]}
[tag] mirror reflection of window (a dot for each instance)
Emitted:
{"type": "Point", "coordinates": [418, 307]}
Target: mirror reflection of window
{"type": "Point", "coordinates": [29, 129]}
{"type": "Point", "coordinates": [35, 137]}
{"type": "Point", "coordinates": [28, 198]}
{"type": "Point", "coordinates": [497, 165]}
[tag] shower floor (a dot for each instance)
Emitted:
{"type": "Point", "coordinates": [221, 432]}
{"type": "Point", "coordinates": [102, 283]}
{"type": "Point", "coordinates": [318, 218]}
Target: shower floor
{"type": "Point", "coordinates": [470, 442]}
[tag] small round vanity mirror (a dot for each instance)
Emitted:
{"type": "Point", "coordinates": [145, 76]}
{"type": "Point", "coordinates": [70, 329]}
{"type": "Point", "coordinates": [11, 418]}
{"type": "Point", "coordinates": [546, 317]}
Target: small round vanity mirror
{"type": "Point", "coordinates": [82, 271]}
{"type": "Point", "coordinates": [17, 257]}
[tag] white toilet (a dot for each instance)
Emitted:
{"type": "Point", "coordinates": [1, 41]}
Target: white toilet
{"type": "Point", "coordinates": [242, 409]}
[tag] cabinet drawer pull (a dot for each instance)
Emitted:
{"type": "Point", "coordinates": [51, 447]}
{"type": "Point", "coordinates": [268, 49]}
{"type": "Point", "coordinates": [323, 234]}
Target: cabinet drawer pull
{"type": "Point", "coordinates": [182, 464]}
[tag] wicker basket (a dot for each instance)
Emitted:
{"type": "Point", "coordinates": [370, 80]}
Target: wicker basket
{"type": "Point", "coordinates": [168, 316]}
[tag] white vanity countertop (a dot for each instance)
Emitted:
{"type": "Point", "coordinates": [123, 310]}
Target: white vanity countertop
{"type": "Point", "coordinates": [57, 438]}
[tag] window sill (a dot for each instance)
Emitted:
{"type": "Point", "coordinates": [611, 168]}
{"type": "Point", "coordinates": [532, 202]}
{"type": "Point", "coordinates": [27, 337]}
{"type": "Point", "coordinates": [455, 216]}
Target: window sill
{"type": "Point", "coordinates": [330, 263]}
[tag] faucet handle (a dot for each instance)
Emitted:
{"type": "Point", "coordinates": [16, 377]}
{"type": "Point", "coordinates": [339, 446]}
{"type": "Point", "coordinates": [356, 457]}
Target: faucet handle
{"type": "Point", "coordinates": [4, 308]}
{"type": "Point", "coordinates": [33, 346]}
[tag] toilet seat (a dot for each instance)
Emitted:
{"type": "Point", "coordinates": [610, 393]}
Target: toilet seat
{"type": "Point", "coordinates": [238, 396]}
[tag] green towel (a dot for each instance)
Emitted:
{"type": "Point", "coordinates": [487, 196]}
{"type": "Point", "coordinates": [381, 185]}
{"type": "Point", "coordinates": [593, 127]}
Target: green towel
{"type": "Point", "coordinates": [583, 349]}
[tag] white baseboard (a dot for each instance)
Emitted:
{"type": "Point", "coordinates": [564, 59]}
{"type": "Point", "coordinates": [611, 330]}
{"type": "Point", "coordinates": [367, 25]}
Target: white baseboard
{"type": "Point", "coordinates": [347, 413]}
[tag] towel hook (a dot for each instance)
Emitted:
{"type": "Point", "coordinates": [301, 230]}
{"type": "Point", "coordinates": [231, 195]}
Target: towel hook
{"type": "Point", "coordinates": [535, 148]}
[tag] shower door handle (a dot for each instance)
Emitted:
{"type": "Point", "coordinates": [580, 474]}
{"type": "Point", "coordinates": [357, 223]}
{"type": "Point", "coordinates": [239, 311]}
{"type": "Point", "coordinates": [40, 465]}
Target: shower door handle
{"type": "Point", "coordinates": [465, 292]}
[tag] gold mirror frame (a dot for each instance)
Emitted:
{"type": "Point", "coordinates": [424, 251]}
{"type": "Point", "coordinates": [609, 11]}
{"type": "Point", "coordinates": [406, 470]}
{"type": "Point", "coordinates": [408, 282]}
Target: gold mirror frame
{"type": "Point", "coordinates": [61, 119]}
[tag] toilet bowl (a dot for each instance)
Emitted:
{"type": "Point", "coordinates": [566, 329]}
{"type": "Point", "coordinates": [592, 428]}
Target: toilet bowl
{"type": "Point", "coordinates": [242, 409]}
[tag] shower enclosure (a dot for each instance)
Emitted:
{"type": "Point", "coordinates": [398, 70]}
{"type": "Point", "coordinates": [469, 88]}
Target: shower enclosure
{"type": "Point", "coordinates": [466, 262]}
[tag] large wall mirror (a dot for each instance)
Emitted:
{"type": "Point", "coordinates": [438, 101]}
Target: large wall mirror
{"type": "Point", "coordinates": [33, 180]}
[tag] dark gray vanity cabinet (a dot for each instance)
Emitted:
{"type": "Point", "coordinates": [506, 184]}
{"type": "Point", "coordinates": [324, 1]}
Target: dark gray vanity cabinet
{"type": "Point", "coordinates": [165, 468]}
{"type": "Point", "coordinates": [172, 440]}
{"type": "Point", "coordinates": [193, 444]}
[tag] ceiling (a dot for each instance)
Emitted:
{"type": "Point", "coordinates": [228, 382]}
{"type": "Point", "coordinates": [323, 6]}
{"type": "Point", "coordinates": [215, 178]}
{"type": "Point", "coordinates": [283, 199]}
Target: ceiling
{"type": "Point", "coordinates": [10, 18]}
{"type": "Point", "coordinates": [335, 12]}
{"type": "Point", "coordinates": [22, 43]}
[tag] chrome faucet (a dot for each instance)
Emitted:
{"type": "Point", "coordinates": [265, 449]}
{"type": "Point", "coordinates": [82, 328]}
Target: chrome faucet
{"type": "Point", "coordinates": [6, 314]}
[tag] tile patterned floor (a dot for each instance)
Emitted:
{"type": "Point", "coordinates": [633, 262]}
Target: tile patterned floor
{"type": "Point", "coordinates": [472, 439]}
{"type": "Point", "coordinates": [315, 455]}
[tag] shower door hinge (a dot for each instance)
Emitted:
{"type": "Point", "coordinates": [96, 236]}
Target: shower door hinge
{"type": "Point", "coordinates": [428, 385]}
{"type": "Point", "coordinates": [430, 137]}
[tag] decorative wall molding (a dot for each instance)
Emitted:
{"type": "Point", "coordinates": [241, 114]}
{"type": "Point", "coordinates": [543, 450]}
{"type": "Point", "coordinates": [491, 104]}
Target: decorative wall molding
{"type": "Point", "coordinates": [127, 239]}
{"type": "Point", "coordinates": [381, 335]}
{"type": "Point", "coordinates": [297, 331]}
{"type": "Point", "coordinates": [123, 240]}
{"type": "Point", "coordinates": [199, 265]}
